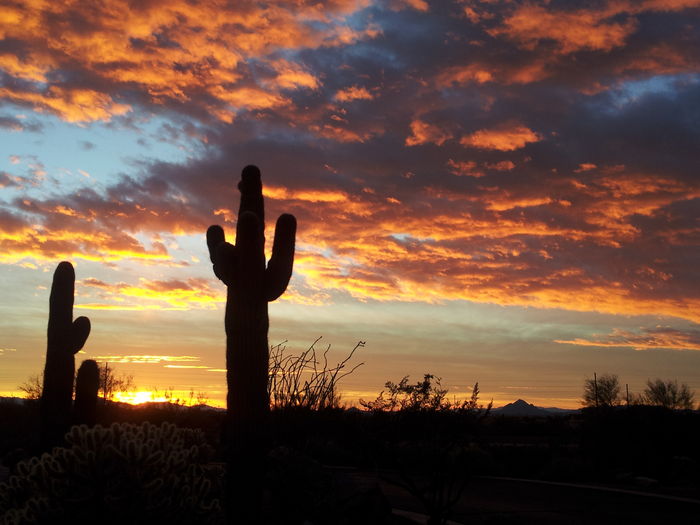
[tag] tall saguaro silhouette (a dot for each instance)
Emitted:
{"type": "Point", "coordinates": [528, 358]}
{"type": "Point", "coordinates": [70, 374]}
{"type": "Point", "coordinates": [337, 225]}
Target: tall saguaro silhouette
{"type": "Point", "coordinates": [251, 285]}
{"type": "Point", "coordinates": [65, 337]}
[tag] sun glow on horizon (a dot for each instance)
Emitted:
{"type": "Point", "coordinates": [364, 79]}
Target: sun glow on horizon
{"type": "Point", "coordinates": [139, 397]}
{"type": "Point", "coordinates": [186, 398]}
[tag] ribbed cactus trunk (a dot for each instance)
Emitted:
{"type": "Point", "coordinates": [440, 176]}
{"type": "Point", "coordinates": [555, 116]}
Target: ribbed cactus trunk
{"type": "Point", "coordinates": [65, 337]}
{"type": "Point", "coordinates": [87, 383]}
{"type": "Point", "coordinates": [250, 286]}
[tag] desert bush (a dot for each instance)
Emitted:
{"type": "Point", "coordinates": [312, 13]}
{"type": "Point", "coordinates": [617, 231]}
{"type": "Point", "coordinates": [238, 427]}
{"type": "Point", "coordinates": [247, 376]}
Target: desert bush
{"type": "Point", "coordinates": [427, 395]}
{"type": "Point", "coordinates": [668, 394]}
{"type": "Point", "coordinates": [603, 391]}
{"type": "Point", "coordinates": [32, 387]}
{"type": "Point", "coordinates": [306, 380]}
{"type": "Point", "coordinates": [112, 384]}
{"type": "Point", "coordinates": [121, 474]}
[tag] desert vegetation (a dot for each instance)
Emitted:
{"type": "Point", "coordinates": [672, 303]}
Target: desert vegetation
{"type": "Point", "coordinates": [307, 380]}
{"type": "Point", "coordinates": [606, 392]}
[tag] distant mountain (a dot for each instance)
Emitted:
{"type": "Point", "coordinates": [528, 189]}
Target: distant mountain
{"type": "Point", "coordinates": [15, 400]}
{"type": "Point", "coordinates": [523, 408]}
{"type": "Point", "coordinates": [172, 406]}
{"type": "Point", "coordinates": [129, 406]}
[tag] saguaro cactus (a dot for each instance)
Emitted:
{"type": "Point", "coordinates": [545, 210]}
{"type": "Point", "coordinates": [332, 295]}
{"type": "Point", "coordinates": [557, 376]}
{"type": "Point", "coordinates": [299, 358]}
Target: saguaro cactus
{"type": "Point", "coordinates": [87, 384]}
{"type": "Point", "coordinates": [251, 285]}
{"type": "Point", "coordinates": [65, 337]}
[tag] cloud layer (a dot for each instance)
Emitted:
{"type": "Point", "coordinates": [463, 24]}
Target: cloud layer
{"type": "Point", "coordinates": [535, 154]}
{"type": "Point", "coordinates": [658, 337]}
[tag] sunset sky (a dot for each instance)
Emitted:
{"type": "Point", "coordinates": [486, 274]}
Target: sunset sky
{"type": "Point", "coordinates": [488, 190]}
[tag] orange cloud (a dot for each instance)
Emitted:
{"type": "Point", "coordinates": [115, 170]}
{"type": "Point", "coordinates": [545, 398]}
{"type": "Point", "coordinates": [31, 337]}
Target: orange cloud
{"type": "Point", "coordinates": [424, 133]}
{"type": "Point", "coordinates": [506, 137]}
{"type": "Point", "coordinates": [292, 76]}
{"type": "Point", "coordinates": [504, 165]}
{"type": "Point", "coordinates": [466, 74]}
{"type": "Point", "coordinates": [339, 134]}
{"type": "Point", "coordinates": [193, 293]}
{"type": "Point", "coordinates": [177, 52]}
{"type": "Point", "coordinates": [428, 273]}
{"type": "Point", "coordinates": [353, 93]}
{"type": "Point", "coordinates": [463, 168]}
{"type": "Point", "coordinates": [659, 337]}
{"type": "Point", "coordinates": [19, 69]}
{"type": "Point", "coordinates": [249, 97]}
{"type": "Point", "coordinates": [574, 30]}
{"type": "Point", "coordinates": [616, 33]}
{"type": "Point", "coordinates": [508, 203]}
{"type": "Point", "coordinates": [602, 27]}
{"type": "Point", "coordinates": [529, 69]}
{"type": "Point", "coordinates": [40, 244]}
{"type": "Point", "coordinates": [586, 166]}
{"type": "Point", "coordinates": [73, 105]}
{"type": "Point", "coordinates": [282, 193]}
{"type": "Point", "coordinates": [418, 5]}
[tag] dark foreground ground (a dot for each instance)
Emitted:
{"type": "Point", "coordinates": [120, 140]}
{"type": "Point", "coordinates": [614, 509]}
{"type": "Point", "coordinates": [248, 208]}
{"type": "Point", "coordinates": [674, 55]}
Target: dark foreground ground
{"type": "Point", "coordinates": [641, 450]}
{"type": "Point", "coordinates": [509, 502]}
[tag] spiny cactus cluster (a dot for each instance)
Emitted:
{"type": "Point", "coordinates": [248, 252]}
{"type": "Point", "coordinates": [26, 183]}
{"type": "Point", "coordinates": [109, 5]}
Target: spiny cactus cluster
{"type": "Point", "coordinates": [122, 474]}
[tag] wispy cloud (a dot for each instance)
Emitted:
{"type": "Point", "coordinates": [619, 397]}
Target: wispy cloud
{"type": "Point", "coordinates": [146, 359]}
{"type": "Point", "coordinates": [645, 339]}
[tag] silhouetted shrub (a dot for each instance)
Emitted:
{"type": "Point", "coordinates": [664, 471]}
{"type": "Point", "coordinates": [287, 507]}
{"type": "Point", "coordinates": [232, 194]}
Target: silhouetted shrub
{"type": "Point", "coordinates": [603, 391]}
{"type": "Point", "coordinates": [306, 380]}
{"type": "Point", "coordinates": [424, 396]}
{"type": "Point", "coordinates": [668, 394]}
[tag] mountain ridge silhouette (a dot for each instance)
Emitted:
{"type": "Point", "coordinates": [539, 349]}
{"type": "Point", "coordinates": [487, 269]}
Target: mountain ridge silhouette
{"type": "Point", "coordinates": [521, 408]}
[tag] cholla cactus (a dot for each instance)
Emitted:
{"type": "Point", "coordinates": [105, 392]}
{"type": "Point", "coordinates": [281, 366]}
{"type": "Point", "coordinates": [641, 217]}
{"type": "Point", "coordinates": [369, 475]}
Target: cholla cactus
{"type": "Point", "coordinates": [122, 474]}
{"type": "Point", "coordinates": [65, 338]}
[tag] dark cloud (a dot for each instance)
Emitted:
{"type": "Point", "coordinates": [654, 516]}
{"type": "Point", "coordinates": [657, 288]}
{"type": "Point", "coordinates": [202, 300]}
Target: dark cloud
{"type": "Point", "coordinates": [16, 124]}
{"type": "Point", "coordinates": [7, 180]}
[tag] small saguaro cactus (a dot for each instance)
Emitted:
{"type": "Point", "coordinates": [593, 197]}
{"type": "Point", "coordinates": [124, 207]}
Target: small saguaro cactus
{"type": "Point", "coordinates": [65, 337]}
{"type": "Point", "coordinates": [87, 384]}
{"type": "Point", "coordinates": [251, 285]}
